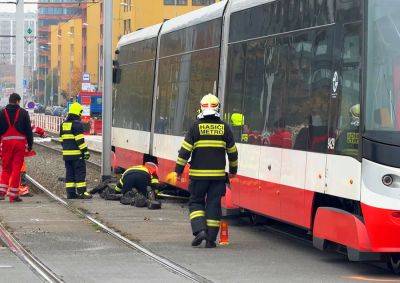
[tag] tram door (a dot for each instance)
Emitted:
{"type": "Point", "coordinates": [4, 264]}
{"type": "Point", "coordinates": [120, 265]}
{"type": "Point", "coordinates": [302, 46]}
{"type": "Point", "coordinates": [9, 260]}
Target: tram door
{"type": "Point", "coordinates": [343, 170]}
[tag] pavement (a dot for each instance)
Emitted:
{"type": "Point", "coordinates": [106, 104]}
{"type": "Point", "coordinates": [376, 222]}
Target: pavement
{"type": "Point", "coordinates": [255, 253]}
{"type": "Point", "coordinates": [13, 270]}
{"type": "Point", "coordinates": [74, 249]}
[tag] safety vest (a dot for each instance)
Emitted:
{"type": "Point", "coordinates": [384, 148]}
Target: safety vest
{"type": "Point", "coordinates": [12, 133]}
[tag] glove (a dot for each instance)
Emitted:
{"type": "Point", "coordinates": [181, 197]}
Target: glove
{"type": "Point", "coordinates": [86, 155]}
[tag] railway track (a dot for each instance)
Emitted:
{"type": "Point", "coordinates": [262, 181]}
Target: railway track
{"type": "Point", "coordinates": [164, 262]}
{"type": "Point", "coordinates": [58, 150]}
{"type": "Point", "coordinates": [34, 264]}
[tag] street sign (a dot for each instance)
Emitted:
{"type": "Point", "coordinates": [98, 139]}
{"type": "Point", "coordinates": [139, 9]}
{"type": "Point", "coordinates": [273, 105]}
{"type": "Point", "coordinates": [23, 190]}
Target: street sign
{"type": "Point", "coordinates": [86, 86]}
{"type": "Point", "coordinates": [86, 78]}
{"type": "Point", "coordinates": [31, 105]}
{"type": "Point", "coordinates": [29, 31]}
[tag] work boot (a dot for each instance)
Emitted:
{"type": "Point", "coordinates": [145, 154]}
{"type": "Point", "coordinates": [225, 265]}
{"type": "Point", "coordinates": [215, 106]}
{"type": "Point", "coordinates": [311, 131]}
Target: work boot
{"type": "Point", "coordinates": [153, 204]}
{"type": "Point", "coordinates": [139, 200]}
{"type": "Point", "coordinates": [15, 199]}
{"type": "Point", "coordinates": [210, 244]}
{"type": "Point", "coordinates": [199, 238]}
{"type": "Point", "coordinates": [85, 195]}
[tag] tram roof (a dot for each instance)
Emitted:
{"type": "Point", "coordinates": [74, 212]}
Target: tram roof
{"type": "Point", "coordinates": [140, 35]}
{"type": "Point", "coordinates": [202, 15]}
{"type": "Point", "coordinates": [239, 5]}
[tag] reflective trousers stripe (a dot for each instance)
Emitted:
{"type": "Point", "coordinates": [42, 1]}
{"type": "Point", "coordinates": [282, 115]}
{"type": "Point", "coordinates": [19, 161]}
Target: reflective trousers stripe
{"type": "Point", "coordinates": [13, 138]}
{"type": "Point", "coordinates": [213, 223]}
{"type": "Point", "coordinates": [70, 185]}
{"type": "Point", "coordinates": [81, 185]}
{"type": "Point", "coordinates": [196, 214]}
{"type": "Point", "coordinates": [206, 173]}
{"type": "Point", "coordinates": [181, 161]}
{"type": "Point", "coordinates": [14, 192]}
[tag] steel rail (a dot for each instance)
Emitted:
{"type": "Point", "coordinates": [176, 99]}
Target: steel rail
{"type": "Point", "coordinates": [60, 151]}
{"type": "Point", "coordinates": [39, 268]}
{"type": "Point", "coordinates": [166, 263]}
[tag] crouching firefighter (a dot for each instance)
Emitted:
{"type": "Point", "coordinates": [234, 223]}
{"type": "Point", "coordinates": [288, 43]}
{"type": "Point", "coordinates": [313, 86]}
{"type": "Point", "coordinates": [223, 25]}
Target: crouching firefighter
{"type": "Point", "coordinates": [75, 152]}
{"type": "Point", "coordinates": [206, 143]}
{"type": "Point", "coordinates": [137, 186]}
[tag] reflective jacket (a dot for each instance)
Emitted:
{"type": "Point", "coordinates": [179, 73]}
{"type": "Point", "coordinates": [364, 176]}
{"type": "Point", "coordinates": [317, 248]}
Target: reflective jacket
{"type": "Point", "coordinates": [207, 143]}
{"type": "Point", "coordinates": [141, 169]}
{"type": "Point", "coordinates": [72, 138]}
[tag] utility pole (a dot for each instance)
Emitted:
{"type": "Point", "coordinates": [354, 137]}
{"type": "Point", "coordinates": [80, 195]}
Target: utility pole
{"type": "Point", "coordinates": [45, 87]}
{"type": "Point", "coordinates": [52, 88]}
{"type": "Point", "coordinates": [107, 89]}
{"type": "Point", "coordinates": [19, 44]}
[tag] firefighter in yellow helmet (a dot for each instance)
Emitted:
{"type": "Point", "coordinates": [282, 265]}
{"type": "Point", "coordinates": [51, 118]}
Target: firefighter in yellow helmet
{"type": "Point", "coordinates": [206, 144]}
{"type": "Point", "coordinates": [75, 152]}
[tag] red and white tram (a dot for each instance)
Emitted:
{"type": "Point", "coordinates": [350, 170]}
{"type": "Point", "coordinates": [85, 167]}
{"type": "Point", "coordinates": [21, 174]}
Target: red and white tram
{"type": "Point", "coordinates": [317, 84]}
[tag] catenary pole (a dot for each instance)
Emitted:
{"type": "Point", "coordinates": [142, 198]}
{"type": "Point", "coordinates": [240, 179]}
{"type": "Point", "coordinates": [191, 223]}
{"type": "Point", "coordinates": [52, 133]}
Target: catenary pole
{"type": "Point", "coordinates": [19, 46]}
{"type": "Point", "coordinates": [107, 89]}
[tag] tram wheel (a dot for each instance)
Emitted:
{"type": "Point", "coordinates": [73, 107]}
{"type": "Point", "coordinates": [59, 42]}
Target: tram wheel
{"type": "Point", "coordinates": [394, 263]}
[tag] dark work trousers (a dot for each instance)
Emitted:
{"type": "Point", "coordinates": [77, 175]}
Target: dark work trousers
{"type": "Point", "coordinates": [75, 177]}
{"type": "Point", "coordinates": [205, 206]}
{"type": "Point", "coordinates": [136, 180]}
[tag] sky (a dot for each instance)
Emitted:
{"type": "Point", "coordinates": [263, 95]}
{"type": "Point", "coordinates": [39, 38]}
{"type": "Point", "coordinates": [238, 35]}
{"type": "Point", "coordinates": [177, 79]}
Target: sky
{"type": "Point", "coordinates": [11, 7]}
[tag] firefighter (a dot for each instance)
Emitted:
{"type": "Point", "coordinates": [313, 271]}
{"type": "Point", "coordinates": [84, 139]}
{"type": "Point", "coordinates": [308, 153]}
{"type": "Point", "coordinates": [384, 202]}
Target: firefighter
{"type": "Point", "coordinates": [16, 137]}
{"type": "Point", "coordinates": [75, 152]}
{"type": "Point", "coordinates": [206, 143]}
{"type": "Point", "coordinates": [137, 186]}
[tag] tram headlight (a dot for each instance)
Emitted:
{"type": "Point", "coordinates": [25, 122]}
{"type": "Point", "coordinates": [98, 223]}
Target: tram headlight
{"type": "Point", "coordinates": [387, 180]}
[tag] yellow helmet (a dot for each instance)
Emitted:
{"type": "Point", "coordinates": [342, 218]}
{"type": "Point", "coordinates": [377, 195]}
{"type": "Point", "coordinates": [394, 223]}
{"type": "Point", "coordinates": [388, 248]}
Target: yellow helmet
{"type": "Point", "coordinates": [355, 110]}
{"type": "Point", "coordinates": [76, 109]}
{"type": "Point", "coordinates": [209, 105]}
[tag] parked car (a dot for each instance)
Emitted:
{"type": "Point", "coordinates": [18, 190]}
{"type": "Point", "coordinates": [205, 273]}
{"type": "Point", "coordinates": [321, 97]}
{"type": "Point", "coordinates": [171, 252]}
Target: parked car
{"type": "Point", "coordinates": [39, 108]}
{"type": "Point", "coordinates": [49, 110]}
{"type": "Point", "coordinates": [58, 111]}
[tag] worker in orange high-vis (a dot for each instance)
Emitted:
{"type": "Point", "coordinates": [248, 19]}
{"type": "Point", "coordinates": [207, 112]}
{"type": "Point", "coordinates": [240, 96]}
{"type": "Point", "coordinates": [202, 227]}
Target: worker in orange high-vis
{"type": "Point", "coordinates": [23, 187]}
{"type": "Point", "coordinates": [16, 137]}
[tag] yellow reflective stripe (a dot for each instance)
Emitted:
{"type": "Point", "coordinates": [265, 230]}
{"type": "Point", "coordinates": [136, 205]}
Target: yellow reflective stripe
{"type": "Point", "coordinates": [83, 146]}
{"type": "Point", "coordinates": [187, 146]}
{"type": "Point", "coordinates": [196, 214]}
{"type": "Point", "coordinates": [79, 137]}
{"type": "Point", "coordinates": [71, 152]}
{"type": "Point", "coordinates": [232, 149]}
{"type": "Point", "coordinates": [67, 136]}
{"type": "Point", "coordinates": [213, 223]}
{"type": "Point", "coordinates": [67, 126]}
{"type": "Point", "coordinates": [60, 139]}
{"type": "Point", "coordinates": [136, 168]}
{"type": "Point", "coordinates": [118, 190]}
{"type": "Point", "coordinates": [234, 163]}
{"type": "Point", "coordinates": [210, 143]}
{"type": "Point", "coordinates": [70, 185]}
{"type": "Point", "coordinates": [121, 182]}
{"type": "Point", "coordinates": [181, 161]}
{"type": "Point", "coordinates": [81, 184]}
{"type": "Point", "coordinates": [205, 173]}
{"type": "Point", "coordinates": [155, 181]}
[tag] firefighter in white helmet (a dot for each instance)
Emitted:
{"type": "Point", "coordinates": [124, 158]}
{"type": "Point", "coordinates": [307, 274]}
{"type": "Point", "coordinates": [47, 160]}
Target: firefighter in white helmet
{"type": "Point", "coordinates": [206, 144]}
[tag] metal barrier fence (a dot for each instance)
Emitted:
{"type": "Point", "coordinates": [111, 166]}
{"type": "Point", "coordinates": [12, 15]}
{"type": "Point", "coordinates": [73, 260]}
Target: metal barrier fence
{"type": "Point", "coordinates": [48, 123]}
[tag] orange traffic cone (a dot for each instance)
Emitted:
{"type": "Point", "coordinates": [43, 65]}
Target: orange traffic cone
{"type": "Point", "coordinates": [223, 234]}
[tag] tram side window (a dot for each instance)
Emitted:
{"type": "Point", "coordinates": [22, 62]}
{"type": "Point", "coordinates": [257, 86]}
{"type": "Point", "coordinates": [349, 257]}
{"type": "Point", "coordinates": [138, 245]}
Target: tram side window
{"type": "Point", "coordinates": [349, 110]}
{"type": "Point", "coordinates": [235, 90]}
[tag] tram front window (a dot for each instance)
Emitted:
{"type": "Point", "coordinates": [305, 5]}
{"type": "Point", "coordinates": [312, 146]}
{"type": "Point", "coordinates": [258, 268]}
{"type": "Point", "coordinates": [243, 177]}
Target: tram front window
{"type": "Point", "coordinates": [382, 116]}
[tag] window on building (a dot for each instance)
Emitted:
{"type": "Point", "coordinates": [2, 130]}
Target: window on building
{"type": "Point", "coordinates": [175, 2]}
{"type": "Point", "coordinates": [127, 26]}
{"type": "Point", "coordinates": [202, 2]}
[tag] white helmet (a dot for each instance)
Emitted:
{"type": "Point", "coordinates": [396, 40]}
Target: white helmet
{"type": "Point", "coordinates": [209, 105]}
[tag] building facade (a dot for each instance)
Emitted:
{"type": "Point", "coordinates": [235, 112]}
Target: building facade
{"type": "Point", "coordinates": [128, 16]}
{"type": "Point", "coordinates": [7, 47]}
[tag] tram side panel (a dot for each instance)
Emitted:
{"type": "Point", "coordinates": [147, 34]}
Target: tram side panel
{"type": "Point", "coordinates": [133, 97]}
